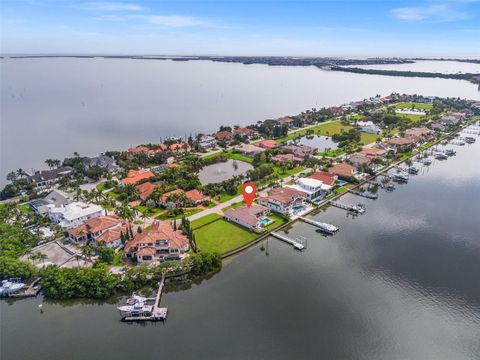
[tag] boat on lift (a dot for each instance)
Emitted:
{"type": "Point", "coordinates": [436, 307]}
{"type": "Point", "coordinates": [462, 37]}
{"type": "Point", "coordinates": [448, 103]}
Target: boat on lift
{"type": "Point", "coordinates": [427, 162]}
{"type": "Point", "coordinates": [400, 177]}
{"type": "Point", "coordinates": [450, 152]}
{"type": "Point", "coordinates": [390, 187]}
{"type": "Point", "coordinates": [11, 286]}
{"type": "Point", "coordinates": [440, 155]}
{"type": "Point", "coordinates": [136, 299]}
{"type": "Point", "coordinates": [469, 140]}
{"type": "Point", "coordinates": [412, 170]}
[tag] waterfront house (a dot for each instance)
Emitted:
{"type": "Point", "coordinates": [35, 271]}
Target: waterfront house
{"type": "Point", "coordinates": [314, 189]}
{"type": "Point", "coordinates": [179, 147]}
{"type": "Point", "coordinates": [135, 176]}
{"type": "Point", "coordinates": [138, 150]}
{"type": "Point", "coordinates": [325, 177]}
{"type": "Point", "coordinates": [359, 159]}
{"type": "Point", "coordinates": [284, 120]}
{"type": "Point", "coordinates": [285, 158]}
{"type": "Point", "coordinates": [373, 152]}
{"type": "Point", "coordinates": [284, 200]}
{"type": "Point", "coordinates": [252, 218]}
{"type": "Point", "coordinates": [336, 111]}
{"type": "Point", "coordinates": [421, 132]}
{"type": "Point", "coordinates": [73, 214]}
{"type": "Point", "coordinates": [45, 178]}
{"type": "Point", "coordinates": [102, 161]}
{"type": "Point", "coordinates": [398, 143]}
{"type": "Point", "coordinates": [157, 243]}
{"type": "Point", "coordinates": [207, 142]}
{"type": "Point", "coordinates": [112, 237]}
{"type": "Point", "coordinates": [223, 135]}
{"type": "Point", "coordinates": [250, 150]}
{"type": "Point", "coordinates": [245, 133]}
{"type": "Point", "coordinates": [268, 144]}
{"type": "Point", "coordinates": [92, 228]}
{"type": "Point", "coordinates": [56, 198]}
{"type": "Point", "coordinates": [342, 170]}
{"type": "Point", "coordinates": [369, 127]}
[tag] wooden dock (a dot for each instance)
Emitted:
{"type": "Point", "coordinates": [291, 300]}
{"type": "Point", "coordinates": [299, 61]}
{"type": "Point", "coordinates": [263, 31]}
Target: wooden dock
{"type": "Point", "coordinates": [31, 291]}
{"type": "Point", "coordinates": [327, 228]}
{"type": "Point", "coordinates": [365, 194]}
{"type": "Point", "coordinates": [157, 313]}
{"type": "Point", "coordinates": [297, 243]}
{"type": "Point", "coordinates": [350, 208]}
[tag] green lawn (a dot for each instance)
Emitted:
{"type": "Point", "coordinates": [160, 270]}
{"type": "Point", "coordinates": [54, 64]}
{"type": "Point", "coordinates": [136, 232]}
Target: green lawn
{"type": "Point", "coordinates": [186, 213]}
{"type": "Point", "coordinates": [149, 212]}
{"type": "Point", "coordinates": [367, 138]}
{"type": "Point", "coordinates": [222, 236]}
{"type": "Point", "coordinates": [195, 224]}
{"type": "Point", "coordinates": [24, 208]}
{"type": "Point", "coordinates": [117, 259]}
{"type": "Point", "coordinates": [409, 105]}
{"type": "Point", "coordinates": [240, 157]}
{"type": "Point", "coordinates": [234, 206]}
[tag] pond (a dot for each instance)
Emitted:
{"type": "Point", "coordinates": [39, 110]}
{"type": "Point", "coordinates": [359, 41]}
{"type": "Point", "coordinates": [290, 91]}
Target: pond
{"type": "Point", "coordinates": [219, 172]}
{"type": "Point", "coordinates": [318, 142]}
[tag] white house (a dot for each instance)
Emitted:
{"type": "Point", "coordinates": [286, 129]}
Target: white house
{"type": "Point", "coordinates": [313, 188]}
{"type": "Point", "coordinates": [207, 142]}
{"type": "Point", "coordinates": [284, 200]}
{"type": "Point", "coordinates": [73, 214]}
{"type": "Point", "coordinates": [369, 127]}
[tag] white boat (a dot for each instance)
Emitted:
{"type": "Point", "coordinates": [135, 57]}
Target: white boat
{"type": "Point", "coordinates": [450, 152]}
{"type": "Point", "coordinates": [402, 177]}
{"type": "Point", "coordinates": [469, 140]}
{"type": "Point", "coordinates": [136, 299]}
{"type": "Point", "coordinates": [390, 187]}
{"type": "Point", "coordinates": [440, 155]}
{"type": "Point", "coordinates": [412, 170]}
{"type": "Point", "coordinates": [359, 208]}
{"type": "Point", "coordinates": [11, 286]}
{"type": "Point", "coordinates": [427, 162]}
{"type": "Point", "coordinates": [135, 309]}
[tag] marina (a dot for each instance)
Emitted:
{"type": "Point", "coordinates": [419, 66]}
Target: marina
{"type": "Point", "coordinates": [365, 194]}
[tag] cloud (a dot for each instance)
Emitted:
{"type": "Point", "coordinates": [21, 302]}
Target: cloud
{"type": "Point", "coordinates": [111, 6]}
{"type": "Point", "coordinates": [431, 13]}
{"type": "Point", "coordinates": [174, 20]}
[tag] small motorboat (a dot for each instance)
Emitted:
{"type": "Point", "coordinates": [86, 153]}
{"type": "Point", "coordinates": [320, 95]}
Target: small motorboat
{"type": "Point", "coordinates": [450, 152]}
{"type": "Point", "coordinates": [440, 156]}
{"type": "Point", "coordinates": [469, 140]}
{"type": "Point", "coordinates": [390, 187]}
{"type": "Point", "coordinates": [136, 299]}
{"type": "Point", "coordinates": [427, 162]}
{"type": "Point", "coordinates": [412, 170]}
{"type": "Point", "coordinates": [11, 286]}
{"type": "Point", "coordinates": [400, 177]}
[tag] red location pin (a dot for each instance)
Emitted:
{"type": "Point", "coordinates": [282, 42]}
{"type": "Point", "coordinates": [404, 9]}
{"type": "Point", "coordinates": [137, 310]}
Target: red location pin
{"type": "Point", "coordinates": [249, 190]}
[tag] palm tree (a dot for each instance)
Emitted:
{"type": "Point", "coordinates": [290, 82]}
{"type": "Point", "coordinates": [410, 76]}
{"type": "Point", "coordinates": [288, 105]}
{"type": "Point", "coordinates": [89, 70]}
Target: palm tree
{"type": "Point", "coordinates": [77, 257]}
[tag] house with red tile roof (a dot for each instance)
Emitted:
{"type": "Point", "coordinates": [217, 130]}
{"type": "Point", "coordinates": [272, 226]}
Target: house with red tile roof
{"type": "Point", "coordinates": [285, 158]}
{"type": "Point", "coordinates": [166, 199]}
{"type": "Point", "coordinates": [267, 144]}
{"type": "Point", "coordinates": [113, 237]}
{"type": "Point", "coordinates": [373, 152]}
{"type": "Point", "coordinates": [249, 149]}
{"type": "Point", "coordinates": [91, 229]}
{"type": "Point", "coordinates": [223, 135]}
{"type": "Point", "coordinates": [178, 146]}
{"type": "Point", "coordinates": [401, 142]}
{"type": "Point", "coordinates": [299, 150]}
{"type": "Point", "coordinates": [139, 149]}
{"type": "Point", "coordinates": [325, 177]}
{"type": "Point", "coordinates": [358, 159]}
{"type": "Point", "coordinates": [145, 190]}
{"type": "Point", "coordinates": [342, 170]}
{"type": "Point", "coordinates": [283, 200]}
{"type": "Point", "coordinates": [135, 176]}
{"type": "Point", "coordinates": [284, 120]}
{"type": "Point", "coordinates": [251, 218]}
{"type": "Point", "coordinates": [157, 243]}
{"type": "Point", "coordinates": [245, 132]}
{"type": "Point", "coordinates": [196, 196]}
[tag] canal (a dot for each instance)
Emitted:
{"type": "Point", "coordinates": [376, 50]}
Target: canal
{"type": "Point", "coordinates": [399, 282]}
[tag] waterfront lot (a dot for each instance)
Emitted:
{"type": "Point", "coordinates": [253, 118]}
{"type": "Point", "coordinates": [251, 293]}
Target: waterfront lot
{"type": "Point", "coordinates": [222, 236]}
{"type": "Point", "coordinates": [409, 105]}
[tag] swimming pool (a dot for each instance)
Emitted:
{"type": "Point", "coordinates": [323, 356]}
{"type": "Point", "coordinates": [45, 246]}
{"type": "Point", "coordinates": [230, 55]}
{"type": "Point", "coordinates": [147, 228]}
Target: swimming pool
{"type": "Point", "coordinates": [265, 221]}
{"type": "Point", "coordinates": [297, 208]}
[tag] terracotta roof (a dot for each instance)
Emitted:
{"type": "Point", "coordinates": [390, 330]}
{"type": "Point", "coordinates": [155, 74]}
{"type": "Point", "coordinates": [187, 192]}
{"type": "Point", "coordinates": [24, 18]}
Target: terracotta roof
{"type": "Point", "coordinates": [178, 146]}
{"type": "Point", "coordinates": [249, 148]}
{"type": "Point", "coordinates": [245, 214]}
{"type": "Point", "coordinates": [95, 225]}
{"type": "Point", "coordinates": [135, 176]}
{"type": "Point", "coordinates": [112, 235]}
{"type": "Point", "coordinates": [145, 251]}
{"type": "Point", "coordinates": [146, 189]}
{"type": "Point", "coordinates": [418, 132]}
{"type": "Point", "coordinates": [401, 141]}
{"type": "Point", "coordinates": [161, 230]}
{"type": "Point", "coordinates": [372, 152]}
{"type": "Point", "coordinates": [174, 165]}
{"type": "Point", "coordinates": [139, 149]}
{"type": "Point", "coordinates": [358, 158]}
{"type": "Point", "coordinates": [284, 120]}
{"type": "Point", "coordinates": [325, 177]}
{"type": "Point", "coordinates": [342, 169]}
{"type": "Point", "coordinates": [165, 196]}
{"type": "Point", "coordinates": [285, 195]}
{"type": "Point", "coordinates": [222, 135]}
{"type": "Point", "coordinates": [243, 130]}
{"type": "Point", "coordinates": [287, 157]}
{"type": "Point", "coordinates": [195, 195]}
{"type": "Point", "coordinates": [268, 144]}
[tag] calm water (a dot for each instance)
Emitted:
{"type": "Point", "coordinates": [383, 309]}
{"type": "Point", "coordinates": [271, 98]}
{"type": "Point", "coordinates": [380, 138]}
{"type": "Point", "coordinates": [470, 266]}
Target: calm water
{"type": "Point", "coordinates": [399, 282]}
{"type": "Point", "coordinates": [53, 107]}
{"type": "Point", "coordinates": [223, 171]}
{"type": "Point", "coordinates": [317, 141]}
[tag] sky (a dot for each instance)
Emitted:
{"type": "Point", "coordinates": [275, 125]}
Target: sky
{"type": "Point", "coordinates": [449, 28]}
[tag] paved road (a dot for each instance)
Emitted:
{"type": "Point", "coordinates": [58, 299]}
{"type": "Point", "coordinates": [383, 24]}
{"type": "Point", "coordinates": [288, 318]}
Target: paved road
{"type": "Point", "coordinates": [218, 208]}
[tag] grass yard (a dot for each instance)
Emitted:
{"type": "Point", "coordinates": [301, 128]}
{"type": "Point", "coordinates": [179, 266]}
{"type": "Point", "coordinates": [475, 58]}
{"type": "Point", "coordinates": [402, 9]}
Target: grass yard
{"type": "Point", "coordinates": [24, 208]}
{"type": "Point", "coordinates": [186, 213]}
{"type": "Point", "coordinates": [117, 259]}
{"type": "Point", "coordinates": [240, 157]}
{"type": "Point", "coordinates": [222, 236]}
{"type": "Point", "coordinates": [410, 105]}
{"type": "Point", "coordinates": [367, 138]}
{"type": "Point", "coordinates": [195, 224]}
{"type": "Point", "coordinates": [149, 212]}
